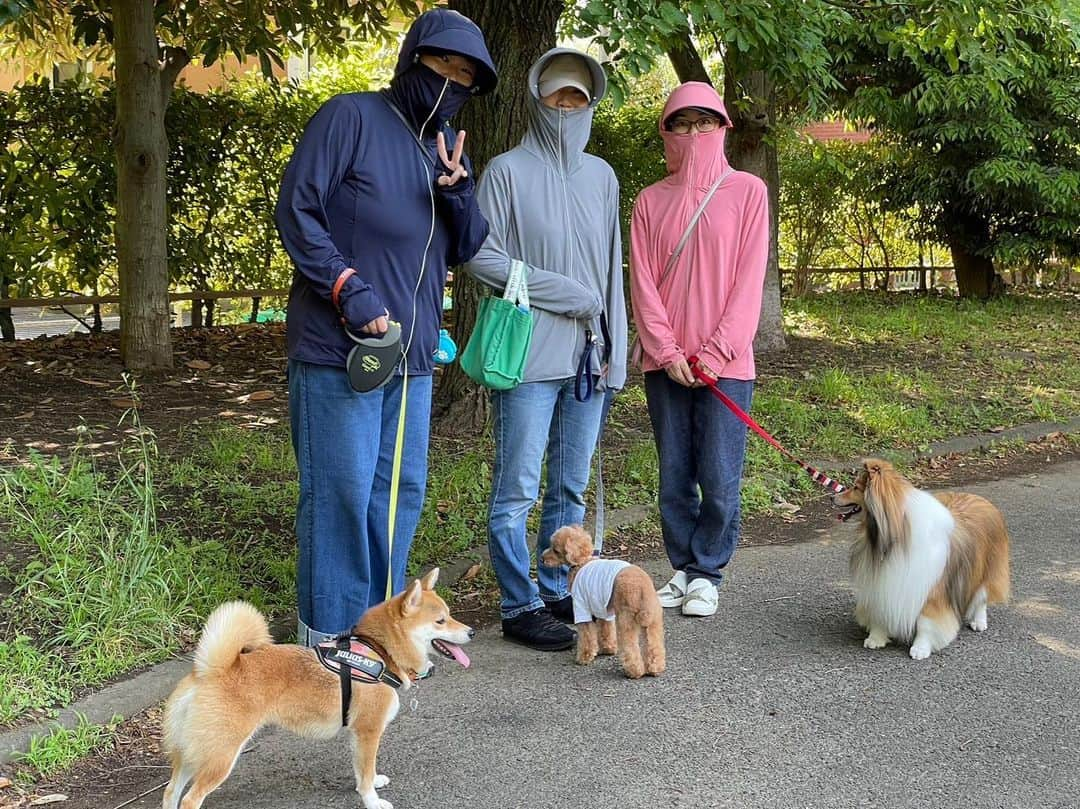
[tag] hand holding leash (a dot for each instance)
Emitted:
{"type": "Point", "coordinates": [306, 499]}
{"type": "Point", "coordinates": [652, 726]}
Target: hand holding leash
{"type": "Point", "coordinates": [377, 326]}
{"type": "Point", "coordinates": [679, 371]}
{"type": "Point", "coordinates": [453, 164]}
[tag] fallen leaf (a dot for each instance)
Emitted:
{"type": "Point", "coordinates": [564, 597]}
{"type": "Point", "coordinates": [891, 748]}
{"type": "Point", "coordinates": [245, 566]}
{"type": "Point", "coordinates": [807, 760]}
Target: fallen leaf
{"type": "Point", "coordinates": [44, 799]}
{"type": "Point", "coordinates": [471, 573]}
{"type": "Point", "coordinates": [95, 382]}
{"type": "Point", "coordinates": [996, 430]}
{"type": "Point", "coordinates": [255, 396]}
{"type": "Point", "coordinates": [29, 414]}
{"type": "Point", "coordinates": [198, 365]}
{"type": "Point", "coordinates": [124, 404]}
{"type": "Point", "coordinates": [4, 782]}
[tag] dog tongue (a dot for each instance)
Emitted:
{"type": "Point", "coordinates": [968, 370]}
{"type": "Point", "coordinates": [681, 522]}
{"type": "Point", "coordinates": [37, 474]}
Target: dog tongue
{"type": "Point", "coordinates": [458, 653]}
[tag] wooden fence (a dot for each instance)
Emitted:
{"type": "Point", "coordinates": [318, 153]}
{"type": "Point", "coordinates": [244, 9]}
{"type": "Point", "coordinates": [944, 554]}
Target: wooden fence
{"type": "Point", "coordinates": [921, 278]}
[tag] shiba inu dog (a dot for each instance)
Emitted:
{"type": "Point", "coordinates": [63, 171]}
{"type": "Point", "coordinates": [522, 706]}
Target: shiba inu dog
{"type": "Point", "coordinates": [242, 681]}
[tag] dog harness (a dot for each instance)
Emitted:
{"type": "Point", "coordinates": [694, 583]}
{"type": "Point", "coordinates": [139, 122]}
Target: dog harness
{"type": "Point", "coordinates": [353, 657]}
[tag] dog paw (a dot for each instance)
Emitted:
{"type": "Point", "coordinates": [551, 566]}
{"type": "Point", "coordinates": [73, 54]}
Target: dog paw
{"type": "Point", "coordinates": [380, 781]}
{"type": "Point", "coordinates": [609, 650]}
{"type": "Point", "coordinates": [375, 802]}
{"type": "Point", "coordinates": [919, 651]}
{"type": "Point", "coordinates": [978, 623]}
{"type": "Point", "coordinates": [875, 641]}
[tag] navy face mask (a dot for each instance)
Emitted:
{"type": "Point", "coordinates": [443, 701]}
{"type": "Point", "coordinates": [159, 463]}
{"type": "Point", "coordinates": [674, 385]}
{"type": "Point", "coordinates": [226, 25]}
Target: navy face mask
{"type": "Point", "coordinates": [416, 91]}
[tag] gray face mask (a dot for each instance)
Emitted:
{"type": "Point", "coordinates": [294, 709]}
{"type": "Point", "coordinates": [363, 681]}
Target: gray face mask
{"type": "Point", "coordinates": [563, 134]}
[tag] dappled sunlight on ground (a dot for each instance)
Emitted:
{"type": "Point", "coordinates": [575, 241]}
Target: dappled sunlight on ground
{"type": "Point", "coordinates": [1063, 571]}
{"type": "Point", "coordinates": [1038, 608]}
{"type": "Point", "coordinates": [1058, 645]}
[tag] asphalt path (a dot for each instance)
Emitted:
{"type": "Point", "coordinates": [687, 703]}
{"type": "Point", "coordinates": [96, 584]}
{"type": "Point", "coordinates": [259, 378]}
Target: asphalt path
{"type": "Point", "coordinates": [771, 703]}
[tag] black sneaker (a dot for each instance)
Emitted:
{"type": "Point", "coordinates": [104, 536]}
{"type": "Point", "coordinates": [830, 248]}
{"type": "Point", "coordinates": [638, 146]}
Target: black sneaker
{"type": "Point", "coordinates": [563, 609]}
{"type": "Point", "coordinates": [538, 630]}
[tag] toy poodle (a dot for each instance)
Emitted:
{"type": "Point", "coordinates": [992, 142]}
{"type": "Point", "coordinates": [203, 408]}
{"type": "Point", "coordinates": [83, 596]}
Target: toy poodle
{"type": "Point", "coordinates": [619, 596]}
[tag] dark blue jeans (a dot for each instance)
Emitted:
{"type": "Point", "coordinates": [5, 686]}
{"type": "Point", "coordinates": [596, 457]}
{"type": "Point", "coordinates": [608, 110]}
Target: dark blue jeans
{"type": "Point", "coordinates": [701, 445]}
{"type": "Point", "coordinates": [344, 445]}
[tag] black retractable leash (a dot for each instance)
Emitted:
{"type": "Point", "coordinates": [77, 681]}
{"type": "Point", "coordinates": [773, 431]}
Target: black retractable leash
{"type": "Point", "coordinates": [372, 361]}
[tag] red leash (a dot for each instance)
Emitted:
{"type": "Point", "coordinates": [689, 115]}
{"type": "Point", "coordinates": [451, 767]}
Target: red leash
{"type": "Point", "coordinates": [819, 477]}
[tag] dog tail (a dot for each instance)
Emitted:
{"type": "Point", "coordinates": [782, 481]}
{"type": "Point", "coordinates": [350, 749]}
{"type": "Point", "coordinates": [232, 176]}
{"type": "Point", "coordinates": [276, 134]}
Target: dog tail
{"type": "Point", "coordinates": [232, 628]}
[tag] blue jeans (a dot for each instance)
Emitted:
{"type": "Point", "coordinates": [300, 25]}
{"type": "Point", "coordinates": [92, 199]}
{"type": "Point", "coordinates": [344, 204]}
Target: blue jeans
{"type": "Point", "coordinates": [344, 445]}
{"type": "Point", "coordinates": [534, 421]}
{"type": "Point", "coordinates": [701, 445]}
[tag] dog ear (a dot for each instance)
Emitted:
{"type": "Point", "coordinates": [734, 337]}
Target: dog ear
{"type": "Point", "coordinates": [411, 598]}
{"type": "Point", "coordinates": [579, 548]}
{"type": "Point", "coordinates": [428, 582]}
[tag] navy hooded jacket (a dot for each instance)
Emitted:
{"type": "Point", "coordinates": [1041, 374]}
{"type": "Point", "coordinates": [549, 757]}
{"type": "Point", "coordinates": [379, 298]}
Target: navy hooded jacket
{"type": "Point", "coordinates": [357, 193]}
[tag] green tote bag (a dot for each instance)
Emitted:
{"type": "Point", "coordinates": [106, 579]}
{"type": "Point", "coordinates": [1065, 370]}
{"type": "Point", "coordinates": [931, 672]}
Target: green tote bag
{"type": "Point", "coordinates": [499, 345]}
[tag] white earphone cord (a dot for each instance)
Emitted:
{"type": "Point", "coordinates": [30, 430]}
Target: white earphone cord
{"type": "Point", "coordinates": [431, 236]}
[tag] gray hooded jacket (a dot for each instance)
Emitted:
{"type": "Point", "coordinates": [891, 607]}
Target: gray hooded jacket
{"type": "Point", "coordinates": [556, 209]}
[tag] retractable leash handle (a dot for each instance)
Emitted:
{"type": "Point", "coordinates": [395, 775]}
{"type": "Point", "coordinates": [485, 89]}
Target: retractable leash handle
{"type": "Point", "coordinates": [371, 362]}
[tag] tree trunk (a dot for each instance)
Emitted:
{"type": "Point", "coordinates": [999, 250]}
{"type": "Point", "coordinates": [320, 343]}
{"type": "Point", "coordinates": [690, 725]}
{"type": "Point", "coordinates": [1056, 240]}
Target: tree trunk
{"type": "Point", "coordinates": [975, 276]}
{"type": "Point", "coordinates": [141, 154]}
{"type": "Point", "coordinates": [749, 150]}
{"type": "Point", "coordinates": [7, 324]}
{"type": "Point", "coordinates": [518, 32]}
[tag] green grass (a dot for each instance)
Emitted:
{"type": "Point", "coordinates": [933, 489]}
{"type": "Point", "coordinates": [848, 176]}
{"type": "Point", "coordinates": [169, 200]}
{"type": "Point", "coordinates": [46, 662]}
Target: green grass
{"type": "Point", "coordinates": [898, 372]}
{"type": "Point", "coordinates": [454, 518]}
{"type": "Point", "coordinates": [49, 755]}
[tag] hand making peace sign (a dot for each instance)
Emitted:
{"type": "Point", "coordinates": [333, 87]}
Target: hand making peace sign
{"type": "Point", "coordinates": [455, 166]}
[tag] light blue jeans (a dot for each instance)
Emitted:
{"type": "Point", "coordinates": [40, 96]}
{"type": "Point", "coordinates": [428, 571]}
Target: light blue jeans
{"type": "Point", "coordinates": [344, 445]}
{"type": "Point", "coordinates": [533, 422]}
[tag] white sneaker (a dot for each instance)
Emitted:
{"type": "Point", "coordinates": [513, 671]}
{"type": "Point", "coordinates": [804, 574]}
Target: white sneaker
{"type": "Point", "coordinates": [673, 593]}
{"type": "Point", "coordinates": [701, 598]}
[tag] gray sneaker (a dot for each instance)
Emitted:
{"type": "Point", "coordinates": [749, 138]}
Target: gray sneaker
{"type": "Point", "coordinates": [701, 598]}
{"type": "Point", "coordinates": [673, 593]}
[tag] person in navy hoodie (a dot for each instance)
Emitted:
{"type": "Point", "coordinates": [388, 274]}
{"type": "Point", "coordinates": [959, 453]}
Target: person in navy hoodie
{"type": "Point", "coordinates": [376, 203]}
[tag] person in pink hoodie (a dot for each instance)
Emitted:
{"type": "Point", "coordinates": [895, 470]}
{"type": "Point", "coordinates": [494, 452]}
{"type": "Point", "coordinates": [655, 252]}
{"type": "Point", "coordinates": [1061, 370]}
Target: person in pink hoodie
{"type": "Point", "coordinates": [702, 302]}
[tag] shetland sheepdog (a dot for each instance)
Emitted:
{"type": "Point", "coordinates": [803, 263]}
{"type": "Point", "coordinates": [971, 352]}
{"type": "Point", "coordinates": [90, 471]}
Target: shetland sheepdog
{"type": "Point", "coordinates": [923, 562]}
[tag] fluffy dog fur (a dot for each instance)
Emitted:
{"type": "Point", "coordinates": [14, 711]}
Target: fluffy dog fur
{"type": "Point", "coordinates": [242, 681]}
{"type": "Point", "coordinates": [923, 561]}
{"type": "Point", "coordinates": [633, 600]}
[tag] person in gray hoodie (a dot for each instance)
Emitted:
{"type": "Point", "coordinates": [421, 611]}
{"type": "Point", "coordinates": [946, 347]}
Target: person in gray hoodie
{"type": "Point", "coordinates": [556, 209]}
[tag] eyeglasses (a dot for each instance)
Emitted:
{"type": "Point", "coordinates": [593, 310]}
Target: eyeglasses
{"type": "Point", "coordinates": [681, 126]}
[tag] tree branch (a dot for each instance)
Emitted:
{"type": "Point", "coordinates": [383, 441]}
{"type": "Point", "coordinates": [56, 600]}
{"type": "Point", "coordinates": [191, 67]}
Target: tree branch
{"type": "Point", "coordinates": [686, 60]}
{"type": "Point", "coordinates": [173, 60]}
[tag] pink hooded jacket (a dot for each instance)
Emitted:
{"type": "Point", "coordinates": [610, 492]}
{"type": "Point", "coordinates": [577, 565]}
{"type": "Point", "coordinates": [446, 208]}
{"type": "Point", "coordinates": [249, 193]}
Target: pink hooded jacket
{"type": "Point", "coordinates": [710, 302]}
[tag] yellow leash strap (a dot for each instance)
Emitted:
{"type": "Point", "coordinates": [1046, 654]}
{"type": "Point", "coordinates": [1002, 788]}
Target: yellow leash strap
{"type": "Point", "coordinates": [395, 482]}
